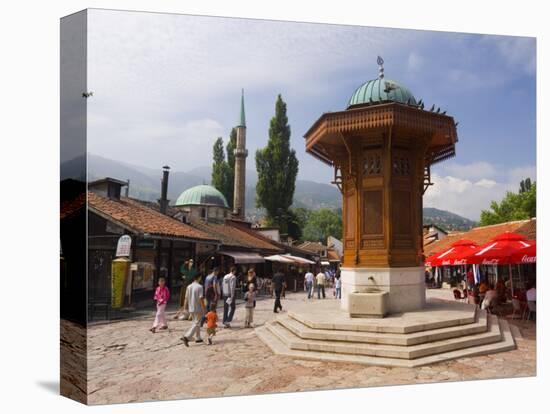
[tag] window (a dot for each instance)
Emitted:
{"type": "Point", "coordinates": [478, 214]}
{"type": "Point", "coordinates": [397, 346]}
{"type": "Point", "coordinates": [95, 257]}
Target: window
{"type": "Point", "coordinates": [372, 164]}
{"type": "Point", "coordinates": [401, 165]}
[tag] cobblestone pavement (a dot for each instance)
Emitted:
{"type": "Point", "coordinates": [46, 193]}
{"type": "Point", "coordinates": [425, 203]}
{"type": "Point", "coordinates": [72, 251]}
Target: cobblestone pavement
{"type": "Point", "coordinates": [128, 363]}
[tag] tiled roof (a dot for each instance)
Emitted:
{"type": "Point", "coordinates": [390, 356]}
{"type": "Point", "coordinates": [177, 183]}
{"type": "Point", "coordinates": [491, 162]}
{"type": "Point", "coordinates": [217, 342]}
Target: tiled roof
{"type": "Point", "coordinates": [170, 211]}
{"type": "Point", "coordinates": [482, 235]}
{"type": "Point", "coordinates": [332, 255]}
{"type": "Point", "coordinates": [233, 236]}
{"type": "Point", "coordinates": [70, 207]}
{"type": "Point", "coordinates": [315, 247]}
{"type": "Point", "coordinates": [139, 218]}
{"type": "Point", "coordinates": [245, 226]}
{"type": "Point", "coordinates": [529, 229]}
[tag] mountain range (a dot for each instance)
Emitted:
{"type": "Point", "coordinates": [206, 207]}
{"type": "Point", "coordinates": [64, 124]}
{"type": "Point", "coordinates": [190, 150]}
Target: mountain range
{"type": "Point", "coordinates": [145, 184]}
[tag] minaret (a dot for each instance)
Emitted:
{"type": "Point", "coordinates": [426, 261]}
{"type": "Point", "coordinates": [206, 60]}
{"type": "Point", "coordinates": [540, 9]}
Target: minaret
{"type": "Point", "coordinates": [240, 165]}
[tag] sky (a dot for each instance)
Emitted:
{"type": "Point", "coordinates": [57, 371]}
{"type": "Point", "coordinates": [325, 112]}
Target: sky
{"type": "Point", "coordinates": [166, 86]}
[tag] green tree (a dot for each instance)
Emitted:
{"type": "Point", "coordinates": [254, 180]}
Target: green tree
{"type": "Point", "coordinates": [218, 170]}
{"type": "Point", "coordinates": [514, 206]}
{"type": "Point", "coordinates": [221, 172]}
{"type": "Point", "coordinates": [525, 185]}
{"type": "Point", "coordinates": [296, 221]}
{"type": "Point", "coordinates": [321, 224]}
{"type": "Point", "coordinates": [277, 168]}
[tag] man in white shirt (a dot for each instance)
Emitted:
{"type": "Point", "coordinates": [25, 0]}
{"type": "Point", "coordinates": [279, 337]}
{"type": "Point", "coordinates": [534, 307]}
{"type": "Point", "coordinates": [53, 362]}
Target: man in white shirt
{"type": "Point", "coordinates": [321, 280]}
{"type": "Point", "coordinates": [229, 285]}
{"type": "Point", "coordinates": [309, 284]}
{"type": "Point", "coordinates": [195, 304]}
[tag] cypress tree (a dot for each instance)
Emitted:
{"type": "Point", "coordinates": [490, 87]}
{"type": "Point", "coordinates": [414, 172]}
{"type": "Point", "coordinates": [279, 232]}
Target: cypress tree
{"type": "Point", "coordinates": [277, 168]}
{"type": "Point", "coordinates": [219, 167]}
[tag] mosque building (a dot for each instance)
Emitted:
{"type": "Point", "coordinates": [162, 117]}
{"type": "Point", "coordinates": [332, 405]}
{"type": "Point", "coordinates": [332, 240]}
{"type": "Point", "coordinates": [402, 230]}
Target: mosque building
{"type": "Point", "coordinates": [206, 202]}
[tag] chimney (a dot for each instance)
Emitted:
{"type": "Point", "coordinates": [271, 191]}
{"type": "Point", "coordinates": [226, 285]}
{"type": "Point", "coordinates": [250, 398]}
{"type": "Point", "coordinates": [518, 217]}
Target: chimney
{"type": "Point", "coordinates": [163, 201]}
{"type": "Point", "coordinates": [127, 188]}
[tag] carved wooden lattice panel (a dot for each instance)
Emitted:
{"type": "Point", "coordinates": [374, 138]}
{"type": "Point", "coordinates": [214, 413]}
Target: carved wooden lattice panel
{"type": "Point", "coordinates": [372, 163]}
{"type": "Point", "coordinates": [372, 212]}
{"type": "Point", "coordinates": [401, 165]}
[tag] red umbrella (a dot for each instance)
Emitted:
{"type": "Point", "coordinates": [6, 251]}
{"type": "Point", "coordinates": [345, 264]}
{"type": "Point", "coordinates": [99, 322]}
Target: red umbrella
{"type": "Point", "coordinates": [526, 255]}
{"type": "Point", "coordinates": [499, 250]}
{"type": "Point", "coordinates": [453, 255]}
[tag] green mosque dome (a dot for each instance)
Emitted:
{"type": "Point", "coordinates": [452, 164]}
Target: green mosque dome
{"type": "Point", "coordinates": [202, 195]}
{"type": "Point", "coordinates": [381, 90]}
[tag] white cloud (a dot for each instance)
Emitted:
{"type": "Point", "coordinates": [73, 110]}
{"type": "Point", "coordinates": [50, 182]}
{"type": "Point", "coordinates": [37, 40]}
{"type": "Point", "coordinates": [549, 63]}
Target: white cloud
{"type": "Point", "coordinates": [518, 52]}
{"type": "Point", "coordinates": [466, 196]}
{"type": "Point", "coordinates": [415, 62]}
{"type": "Point", "coordinates": [485, 183]}
{"type": "Point", "coordinates": [170, 144]}
{"type": "Point", "coordinates": [472, 171]}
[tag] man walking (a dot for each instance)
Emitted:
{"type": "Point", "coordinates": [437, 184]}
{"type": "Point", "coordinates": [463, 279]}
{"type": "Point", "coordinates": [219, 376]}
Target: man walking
{"type": "Point", "coordinates": [321, 280]}
{"type": "Point", "coordinates": [309, 283]}
{"type": "Point", "coordinates": [277, 285]}
{"type": "Point", "coordinates": [229, 285]}
{"type": "Point", "coordinates": [211, 290]}
{"type": "Point", "coordinates": [188, 273]}
{"type": "Point", "coordinates": [195, 303]}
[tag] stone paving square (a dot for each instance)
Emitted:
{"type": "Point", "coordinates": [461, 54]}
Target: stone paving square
{"type": "Point", "coordinates": [127, 363]}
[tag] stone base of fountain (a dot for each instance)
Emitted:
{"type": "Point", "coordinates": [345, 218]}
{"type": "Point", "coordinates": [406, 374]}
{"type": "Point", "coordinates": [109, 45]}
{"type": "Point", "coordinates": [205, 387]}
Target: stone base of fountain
{"type": "Point", "coordinates": [371, 303]}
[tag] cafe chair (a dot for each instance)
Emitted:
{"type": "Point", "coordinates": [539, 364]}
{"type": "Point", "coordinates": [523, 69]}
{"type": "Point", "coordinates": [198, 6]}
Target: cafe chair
{"type": "Point", "coordinates": [518, 308]}
{"type": "Point", "coordinates": [530, 309]}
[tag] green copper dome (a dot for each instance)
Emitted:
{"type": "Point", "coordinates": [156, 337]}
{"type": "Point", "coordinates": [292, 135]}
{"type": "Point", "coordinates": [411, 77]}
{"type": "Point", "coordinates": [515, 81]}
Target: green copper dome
{"type": "Point", "coordinates": [202, 195]}
{"type": "Point", "coordinates": [381, 90]}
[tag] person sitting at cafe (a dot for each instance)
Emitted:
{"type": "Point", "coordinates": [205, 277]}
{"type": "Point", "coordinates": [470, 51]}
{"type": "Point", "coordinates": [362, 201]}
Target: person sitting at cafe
{"type": "Point", "coordinates": [531, 294]}
{"type": "Point", "coordinates": [501, 290]}
{"type": "Point", "coordinates": [490, 299]}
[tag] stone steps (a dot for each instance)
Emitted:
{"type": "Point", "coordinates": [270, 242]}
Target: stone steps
{"type": "Point", "coordinates": [404, 339]}
{"type": "Point", "coordinates": [433, 316]}
{"type": "Point", "coordinates": [491, 335]}
{"type": "Point", "coordinates": [278, 341]}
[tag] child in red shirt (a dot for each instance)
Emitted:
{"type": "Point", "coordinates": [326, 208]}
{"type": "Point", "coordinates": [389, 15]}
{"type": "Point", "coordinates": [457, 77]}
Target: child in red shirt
{"type": "Point", "coordinates": [211, 319]}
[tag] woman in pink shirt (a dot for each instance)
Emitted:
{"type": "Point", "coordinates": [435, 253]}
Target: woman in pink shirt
{"type": "Point", "coordinates": [162, 295]}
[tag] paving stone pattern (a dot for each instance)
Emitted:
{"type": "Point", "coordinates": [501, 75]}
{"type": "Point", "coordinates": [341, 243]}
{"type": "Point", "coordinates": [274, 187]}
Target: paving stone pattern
{"type": "Point", "coordinates": [127, 363]}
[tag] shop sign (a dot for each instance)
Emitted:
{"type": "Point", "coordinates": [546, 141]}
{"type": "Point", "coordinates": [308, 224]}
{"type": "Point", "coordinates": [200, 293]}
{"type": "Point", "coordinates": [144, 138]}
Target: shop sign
{"type": "Point", "coordinates": [123, 246]}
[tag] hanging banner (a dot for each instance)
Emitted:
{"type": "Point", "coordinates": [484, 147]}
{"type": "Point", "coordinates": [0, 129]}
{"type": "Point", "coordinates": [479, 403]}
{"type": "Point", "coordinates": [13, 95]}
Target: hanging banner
{"type": "Point", "coordinates": [123, 246]}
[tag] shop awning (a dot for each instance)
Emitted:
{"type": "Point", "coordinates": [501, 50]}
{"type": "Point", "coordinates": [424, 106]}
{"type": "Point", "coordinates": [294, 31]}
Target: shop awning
{"type": "Point", "coordinates": [244, 257]}
{"type": "Point", "coordinates": [279, 258]}
{"type": "Point", "coordinates": [299, 259]}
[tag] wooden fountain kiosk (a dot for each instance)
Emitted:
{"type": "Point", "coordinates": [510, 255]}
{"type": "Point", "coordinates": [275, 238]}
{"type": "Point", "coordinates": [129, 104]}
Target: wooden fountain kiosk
{"type": "Point", "coordinates": [381, 148]}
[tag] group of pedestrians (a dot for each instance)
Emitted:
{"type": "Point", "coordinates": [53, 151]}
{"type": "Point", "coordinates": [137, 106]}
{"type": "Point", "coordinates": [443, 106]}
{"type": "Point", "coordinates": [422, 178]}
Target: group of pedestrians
{"type": "Point", "coordinates": [200, 303]}
{"type": "Point", "coordinates": [320, 281]}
